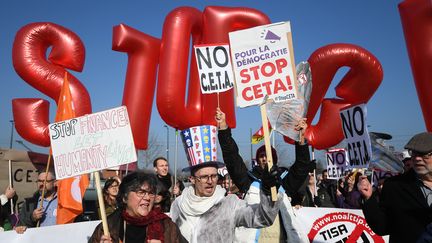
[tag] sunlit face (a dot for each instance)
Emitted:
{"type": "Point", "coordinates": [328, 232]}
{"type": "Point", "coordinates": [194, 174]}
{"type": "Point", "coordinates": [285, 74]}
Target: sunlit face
{"type": "Point", "coordinates": [141, 202]}
{"type": "Point", "coordinates": [422, 163]}
{"type": "Point", "coordinates": [161, 167]}
{"type": "Point", "coordinates": [50, 183]}
{"type": "Point", "coordinates": [113, 189]}
{"type": "Point", "coordinates": [262, 160]}
{"type": "Point", "coordinates": [204, 181]}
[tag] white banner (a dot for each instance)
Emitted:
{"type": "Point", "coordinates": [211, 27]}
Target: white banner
{"type": "Point", "coordinates": [92, 142]}
{"type": "Point", "coordinates": [65, 233]}
{"type": "Point", "coordinates": [262, 64]}
{"type": "Point", "coordinates": [337, 161]}
{"type": "Point", "coordinates": [319, 224]}
{"type": "Point", "coordinates": [214, 68]}
{"type": "Point", "coordinates": [356, 136]}
{"type": "Point", "coordinates": [336, 225]}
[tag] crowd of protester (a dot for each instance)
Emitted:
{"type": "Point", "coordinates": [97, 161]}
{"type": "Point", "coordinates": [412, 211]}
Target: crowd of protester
{"type": "Point", "coordinates": [154, 207]}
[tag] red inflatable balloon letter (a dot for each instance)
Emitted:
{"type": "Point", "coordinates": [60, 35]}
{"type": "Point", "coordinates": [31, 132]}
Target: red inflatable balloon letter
{"type": "Point", "coordinates": [46, 75]}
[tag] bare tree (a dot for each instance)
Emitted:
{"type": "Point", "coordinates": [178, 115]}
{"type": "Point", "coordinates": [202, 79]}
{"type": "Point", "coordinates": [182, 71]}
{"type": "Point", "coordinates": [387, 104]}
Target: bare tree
{"type": "Point", "coordinates": [154, 150]}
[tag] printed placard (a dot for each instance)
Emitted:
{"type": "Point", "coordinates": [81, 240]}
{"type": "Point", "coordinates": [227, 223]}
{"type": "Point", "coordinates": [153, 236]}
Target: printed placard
{"type": "Point", "coordinates": [92, 142]}
{"type": "Point", "coordinates": [262, 64]}
{"type": "Point", "coordinates": [336, 225]}
{"type": "Point", "coordinates": [356, 136]}
{"type": "Point", "coordinates": [337, 162]}
{"type": "Point", "coordinates": [214, 68]}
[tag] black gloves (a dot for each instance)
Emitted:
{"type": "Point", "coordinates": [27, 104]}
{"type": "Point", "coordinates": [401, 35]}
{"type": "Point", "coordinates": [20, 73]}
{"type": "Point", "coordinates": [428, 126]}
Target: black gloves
{"type": "Point", "coordinates": [269, 179]}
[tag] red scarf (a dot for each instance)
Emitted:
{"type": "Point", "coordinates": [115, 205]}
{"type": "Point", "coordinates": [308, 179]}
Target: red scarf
{"type": "Point", "coordinates": [153, 221]}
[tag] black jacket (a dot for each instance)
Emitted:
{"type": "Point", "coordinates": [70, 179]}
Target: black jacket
{"type": "Point", "coordinates": [291, 182]}
{"type": "Point", "coordinates": [402, 211]}
{"type": "Point", "coordinates": [25, 214]}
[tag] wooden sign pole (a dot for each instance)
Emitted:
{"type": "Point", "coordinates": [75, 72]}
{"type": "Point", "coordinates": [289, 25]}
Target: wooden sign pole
{"type": "Point", "coordinates": [267, 146]}
{"type": "Point", "coordinates": [101, 203]}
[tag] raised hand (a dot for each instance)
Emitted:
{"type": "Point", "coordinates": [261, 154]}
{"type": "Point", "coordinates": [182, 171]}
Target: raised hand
{"type": "Point", "coordinates": [221, 119]}
{"type": "Point", "coordinates": [364, 187]}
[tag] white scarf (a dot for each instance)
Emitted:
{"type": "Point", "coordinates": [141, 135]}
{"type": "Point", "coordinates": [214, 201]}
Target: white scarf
{"type": "Point", "coordinates": [193, 206]}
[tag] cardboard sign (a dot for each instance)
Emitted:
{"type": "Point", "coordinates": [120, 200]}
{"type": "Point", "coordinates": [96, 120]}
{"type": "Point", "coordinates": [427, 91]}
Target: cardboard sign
{"type": "Point", "coordinates": [214, 68]}
{"type": "Point", "coordinates": [262, 64]}
{"type": "Point", "coordinates": [337, 162]}
{"type": "Point", "coordinates": [92, 142]}
{"type": "Point", "coordinates": [356, 136]}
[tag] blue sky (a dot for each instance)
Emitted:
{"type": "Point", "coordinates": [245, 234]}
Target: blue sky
{"type": "Point", "coordinates": [373, 25]}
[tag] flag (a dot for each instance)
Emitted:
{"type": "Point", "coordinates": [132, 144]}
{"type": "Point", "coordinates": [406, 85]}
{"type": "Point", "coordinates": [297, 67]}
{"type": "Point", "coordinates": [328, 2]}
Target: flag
{"type": "Point", "coordinates": [259, 135]}
{"type": "Point", "coordinates": [70, 191]}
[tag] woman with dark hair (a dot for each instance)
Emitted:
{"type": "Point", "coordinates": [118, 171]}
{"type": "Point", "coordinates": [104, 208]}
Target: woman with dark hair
{"type": "Point", "coordinates": [136, 220]}
{"type": "Point", "coordinates": [110, 191]}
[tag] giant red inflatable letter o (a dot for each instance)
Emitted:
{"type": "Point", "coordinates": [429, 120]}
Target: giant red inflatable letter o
{"type": "Point", "coordinates": [179, 26]}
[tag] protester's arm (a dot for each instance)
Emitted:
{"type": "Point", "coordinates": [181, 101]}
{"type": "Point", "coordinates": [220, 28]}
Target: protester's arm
{"type": "Point", "coordinates": [230, 153]}
{"type": "Point", "coordinates": [8, 194]}
{"type": "Point", "coordinates": [299, 170]}
{"type": "Point", "coordinates": [257, 215]}
{"type": "Point", "coordinates": [302, 165]}
{"type": "Point", "coordinates": [25, 215]}
{"type": "Point", "coordinates": [263, 213]}
{"type": "Point", "coordinates": [374, 211]}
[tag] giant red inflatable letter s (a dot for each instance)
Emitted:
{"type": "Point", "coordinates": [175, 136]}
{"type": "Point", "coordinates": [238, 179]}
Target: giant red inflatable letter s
{"type": "Point", "coordinates": [46, 75]}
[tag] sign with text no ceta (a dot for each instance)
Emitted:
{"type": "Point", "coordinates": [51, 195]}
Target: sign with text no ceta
{"type": "Point", "coordinates": [337, 162]}
{"type": "Point", "coordinates": [356, 136]}
{"type": "Point", "coordinates": [262, 64]}
{"type": "Point", "coordinates": [214, 68]}
{"type": "Point", "coordinates": [92, 142]}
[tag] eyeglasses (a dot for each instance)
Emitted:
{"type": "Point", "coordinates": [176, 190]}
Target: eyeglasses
{"type": "Point", "coordinates": [413, 154]}
{"type": "Point", "coordinates": [48, 181]}
{"type": "Point", "coordinates": [206, 178]}
{"type": "Point", "coordinates": [143, 193]}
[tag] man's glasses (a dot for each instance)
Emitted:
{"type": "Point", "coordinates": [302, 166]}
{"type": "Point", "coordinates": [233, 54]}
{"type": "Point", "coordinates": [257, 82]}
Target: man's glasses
{"type": "Point", "coordinates": [413, 154]}
{"type": "Point", "coordinates": [206, 178]}
{"type": "Point", "coordinates": [143, 193]}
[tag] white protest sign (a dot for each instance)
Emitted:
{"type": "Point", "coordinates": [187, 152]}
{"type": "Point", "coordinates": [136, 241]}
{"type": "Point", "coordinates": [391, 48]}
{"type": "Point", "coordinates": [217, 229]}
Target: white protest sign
{"type": "Point", "coordinates": [356, 136]}
{"type": "Point", "coordinates": [214, 68]}
{"type": "Point", "coordinates": [336, 225]}
{"type": "Point", "coordinates": [262, 64]}
{"type": "Point", "coordinates": [92, 142]}
{"type": "Point", "coordinates": [337, 161]}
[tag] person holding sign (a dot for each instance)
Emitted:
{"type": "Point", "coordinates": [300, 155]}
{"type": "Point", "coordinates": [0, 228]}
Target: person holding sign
{"type": "Point", "coordinates": [5, 210]}
{"type": "Point", "coordinates": [285, 228]}
{"type": "Point", "coordinates": [404, 208]}
{"type": "Point", "coordinates": [203, 212]}
{"type": "Point", "coordinates": [30, 213]}
{"type": "Point", "coordinates": [136, 219]}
